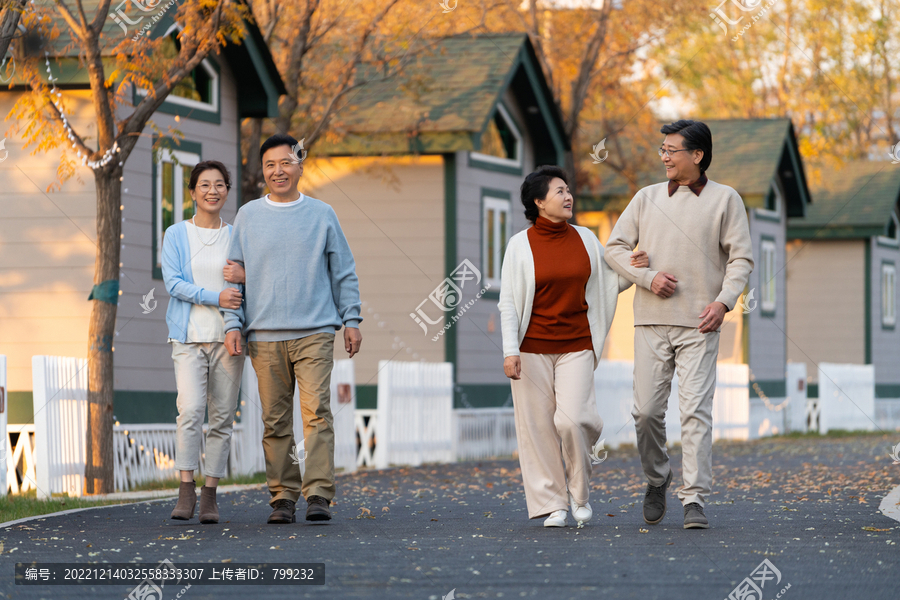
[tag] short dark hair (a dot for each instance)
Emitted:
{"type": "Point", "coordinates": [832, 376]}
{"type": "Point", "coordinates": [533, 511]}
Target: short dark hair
{"type": "Point", "coordinates": [279, 139]}
{"type": "Point", "coordinates": [206, 165]}
{"type": "Point", "coordinates": [536, 186]}
{"type": "Point", "coordinates": [697, 136]}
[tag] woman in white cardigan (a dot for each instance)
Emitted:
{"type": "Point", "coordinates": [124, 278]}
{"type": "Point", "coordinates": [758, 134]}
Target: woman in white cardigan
{"type": "Point", "coordinates": [557, 301]}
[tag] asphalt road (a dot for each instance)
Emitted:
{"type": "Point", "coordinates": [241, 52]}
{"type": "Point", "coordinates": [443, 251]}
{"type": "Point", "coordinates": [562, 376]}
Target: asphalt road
{"type": "Point", "coordinates": [807, 506]}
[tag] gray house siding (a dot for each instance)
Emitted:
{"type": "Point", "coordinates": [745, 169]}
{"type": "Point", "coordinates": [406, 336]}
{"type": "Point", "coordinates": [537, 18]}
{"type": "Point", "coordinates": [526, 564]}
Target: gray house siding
{"type": "Point", "coordinates": [767, 342]}
{"type": "Point", "coordinates": [144, 375]}
{"type": "Point", "coordinates": [479, 355]}
{"type": "Point", "coordinates": [885, 339]}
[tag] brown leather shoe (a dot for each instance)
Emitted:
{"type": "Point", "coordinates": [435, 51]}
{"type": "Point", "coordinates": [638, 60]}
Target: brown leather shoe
{"type": "Point", "coordinates": [283, 512]}
{"type": "Point", "coordinates": [209, 511]}
{"type": "Point", "coordinates": [317, 509]}
{"type": "Point", "coordinates": [187, 500]}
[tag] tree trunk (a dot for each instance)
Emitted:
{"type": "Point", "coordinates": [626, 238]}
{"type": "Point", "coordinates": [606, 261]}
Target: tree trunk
{"type": "Point", "coordinates": [252, 182]}
{"type": "Point", "coordinates": [9, 21]}
{"type": "Point", "coordinates": [101, 336]}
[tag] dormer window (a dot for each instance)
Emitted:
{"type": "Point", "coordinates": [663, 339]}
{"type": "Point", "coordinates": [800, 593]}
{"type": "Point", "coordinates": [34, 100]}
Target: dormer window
{"type": "Point", "coordinates": [200, 89]}
{"type": "Point", "coordinates": [501, 142]}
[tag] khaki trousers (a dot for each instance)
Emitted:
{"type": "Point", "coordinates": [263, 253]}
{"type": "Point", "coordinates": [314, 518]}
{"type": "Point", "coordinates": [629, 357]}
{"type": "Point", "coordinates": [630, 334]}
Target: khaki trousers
{"type": "Point", "coordinates": [557, 425]}
{"type": "Point", "coordinates": [660, 351]}
{"type": "Point", "coordinates": [206, 377]}
{"type": "Point", "coordinates": [279, 365]}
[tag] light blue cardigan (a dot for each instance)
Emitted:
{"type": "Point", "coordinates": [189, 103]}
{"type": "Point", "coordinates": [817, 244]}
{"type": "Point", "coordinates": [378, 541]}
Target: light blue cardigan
{"type": "Point", "coordinates": [179, 281]}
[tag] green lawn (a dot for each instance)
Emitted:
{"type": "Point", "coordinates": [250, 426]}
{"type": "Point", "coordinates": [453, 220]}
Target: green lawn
{"type": "Point", "coordinates": [18, 506]}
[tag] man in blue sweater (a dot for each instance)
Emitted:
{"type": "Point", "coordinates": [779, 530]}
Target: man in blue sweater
{"type": "Point", "coordinates": [301, 287]}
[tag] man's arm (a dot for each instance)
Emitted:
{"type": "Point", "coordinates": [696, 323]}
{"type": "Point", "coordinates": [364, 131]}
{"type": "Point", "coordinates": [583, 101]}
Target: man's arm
{"type": "Point", "coordinates": [344, 282]}
{"type": "Point", "coordinates": [622, 241]}
{"type": "Point", "coordinates": [234, 317]}
{"type": "Point", "coordinates": [736, 243]}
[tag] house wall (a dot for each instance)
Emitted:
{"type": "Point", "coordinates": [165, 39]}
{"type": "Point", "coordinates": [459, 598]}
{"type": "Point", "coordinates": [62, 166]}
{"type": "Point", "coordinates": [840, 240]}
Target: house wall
{"type": "Point", "coordinates": [885, 340]}
{"type": "Point", "coordinates": [392, 213]}
{"type": "Point", "coordinates": [766, 342]}
{"type": "Point", "coordinates": [479, 346]}
{"type": "Point", "coordinates": [47, 262]}
{"type": "Point", "coordinates": [826, 302]}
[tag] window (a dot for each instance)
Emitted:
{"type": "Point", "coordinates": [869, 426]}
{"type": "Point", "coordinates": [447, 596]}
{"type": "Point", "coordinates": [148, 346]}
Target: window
{"type": "Point", "coordinates": [767, 275]}
{"type": "Point", "coordinates": [495, 236]}
{"type": "Point", "coordinates": [501, 142]}
{"type": "Point", "coordinates": [172, 199]}
{"type": "Point", "coordinates": [888, 294]}
{"type": "Point", "coordinates": [200, 89]}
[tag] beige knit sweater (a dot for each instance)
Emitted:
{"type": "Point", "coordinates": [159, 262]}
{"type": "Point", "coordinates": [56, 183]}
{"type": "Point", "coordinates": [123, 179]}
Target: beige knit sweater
{"type": "Point", "coordinates": [704, 241]}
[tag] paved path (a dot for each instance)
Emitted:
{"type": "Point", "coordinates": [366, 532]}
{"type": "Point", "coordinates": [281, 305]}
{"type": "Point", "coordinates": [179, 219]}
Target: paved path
{"type": "Point", "coordinates": [809, 506]}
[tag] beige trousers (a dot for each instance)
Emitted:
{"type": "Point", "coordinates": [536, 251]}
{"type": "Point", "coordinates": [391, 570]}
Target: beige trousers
{"type": "Point", "coordinates": [660, 351]}
{"type": "Point", "coordinates": [278, 365]}
{"type": "Point", "coordinates": [556, 426]}
{"type": "Point", "coordinates": [207, 377]}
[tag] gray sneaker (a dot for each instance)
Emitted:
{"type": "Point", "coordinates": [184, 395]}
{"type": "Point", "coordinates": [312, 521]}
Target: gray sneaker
{"type": "Point", "coordinates": [655, 501]}
{"type": "Point", "coordinates": [694, 517]}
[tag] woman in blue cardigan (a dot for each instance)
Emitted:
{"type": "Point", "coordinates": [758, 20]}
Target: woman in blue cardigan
{"type": "Point", "coordinates": [195, 269]}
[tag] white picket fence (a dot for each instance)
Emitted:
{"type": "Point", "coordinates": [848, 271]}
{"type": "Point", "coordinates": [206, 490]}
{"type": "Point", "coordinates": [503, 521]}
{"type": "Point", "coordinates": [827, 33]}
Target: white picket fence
{"type": "Point", "coordinates": [415, 413]}
{"type": "Point", "coordinates": [846, 397]}
{"type": "Point", "coordinates": [483, 433]}
{"type": "Point", "coordinates": [60, 422]}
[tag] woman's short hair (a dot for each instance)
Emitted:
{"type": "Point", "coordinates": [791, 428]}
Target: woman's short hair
{"type": "Point", "coordinates": [536, 186]}
{"type": "Point", "coordinates": [206, 165]}
{"type": "Point", "coordinates": [697, 136]}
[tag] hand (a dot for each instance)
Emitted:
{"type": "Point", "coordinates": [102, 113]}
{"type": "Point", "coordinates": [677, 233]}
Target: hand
{"type": "Point", "coordinates": [234, 272]}
{"type": "Point", "coordinates": [512, 367]}
{"type": "Point", "coordinates": [352, 340]}
{"type": "Point", "coordinates": [712, 317]}
{"type": "Point", "coordinates": [233, 342]}
{"type": "Point", "coordinates": [663, 285]}
{"type": "Point", "coordinates": [230, 298]}
{"type": "Point", "coordinates": [640, 260]}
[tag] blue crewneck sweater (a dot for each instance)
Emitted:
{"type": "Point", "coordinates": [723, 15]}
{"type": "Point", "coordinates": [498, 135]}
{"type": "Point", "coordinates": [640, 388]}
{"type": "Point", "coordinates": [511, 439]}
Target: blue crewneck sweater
{"type": "Point", "coordinates": [301, 276]}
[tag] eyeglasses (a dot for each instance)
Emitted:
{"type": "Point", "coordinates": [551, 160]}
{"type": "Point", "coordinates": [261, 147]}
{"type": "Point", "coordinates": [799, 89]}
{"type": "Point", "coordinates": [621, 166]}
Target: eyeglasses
{"type": "Point", "coordinates": [669, 153]}
{"type": "Point", "coordinates": [205, 187]}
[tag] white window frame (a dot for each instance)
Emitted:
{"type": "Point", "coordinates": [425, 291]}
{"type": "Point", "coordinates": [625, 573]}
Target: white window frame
{"type": "Point", "coordinates": [768, 254]}
{"type": "Point", "coordinates": [182, 160]}
{"type": "Point", "coordinates": [508, 162]}
{"type": "Point", "coordinates": [497, 205]}
{"type": "Point", "coordinates": [888, 294]}
{"type": "Point", "coordinates": [205, 106]}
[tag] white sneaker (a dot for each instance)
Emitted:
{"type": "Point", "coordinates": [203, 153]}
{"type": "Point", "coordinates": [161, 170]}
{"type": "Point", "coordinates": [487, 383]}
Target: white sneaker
{"type": "Point", "coordinates": [582, 514]}
{"type": "Point", "coordinates": [557, 519]}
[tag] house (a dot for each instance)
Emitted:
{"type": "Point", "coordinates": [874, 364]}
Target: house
{"type": "Point", "coordinates": [425, 179]}
{"type": "Point", "coordinates": [48, 239]}
{"type": "Point", "coordinates": [842, 275]}
{"type": "Point", "coordinates": [759, 158]}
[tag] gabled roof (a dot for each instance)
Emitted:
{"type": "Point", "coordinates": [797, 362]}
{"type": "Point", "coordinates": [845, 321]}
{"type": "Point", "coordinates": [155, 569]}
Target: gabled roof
{"type": "Point", "coordinates": [445, 98]}
{"type": "Point", "coordinates": [259, 83]}
{"type": "Point", "coordinates": [852, 202]}
{"type": "Point", "coordinates": [747, 154]}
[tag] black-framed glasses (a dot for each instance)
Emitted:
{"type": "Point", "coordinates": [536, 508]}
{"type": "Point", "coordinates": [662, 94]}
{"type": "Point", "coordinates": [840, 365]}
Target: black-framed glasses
{"type": "Point", "coordinates": [669, 153]}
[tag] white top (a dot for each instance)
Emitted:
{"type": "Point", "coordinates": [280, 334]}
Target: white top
{"type": "Point", "coordinates": [206, 323]}
{"type": "Point", "coordinates": [285, 204]}
{"type": "Point", "coordinates": [517, 292]}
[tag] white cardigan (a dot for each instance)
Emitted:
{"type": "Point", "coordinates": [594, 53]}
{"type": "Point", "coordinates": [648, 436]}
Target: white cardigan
{"type": "Point", "coordinates": [517, 292]}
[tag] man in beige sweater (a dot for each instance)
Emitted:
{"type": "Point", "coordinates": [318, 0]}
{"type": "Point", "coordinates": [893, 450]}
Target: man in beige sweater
{"type": "Point", "coordinates": [698, 236]}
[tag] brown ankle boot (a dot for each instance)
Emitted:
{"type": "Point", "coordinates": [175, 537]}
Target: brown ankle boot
{"type": "Point", "coordinates": [187, 500]}
{"type": "Point", "coordinates": [209, 512]}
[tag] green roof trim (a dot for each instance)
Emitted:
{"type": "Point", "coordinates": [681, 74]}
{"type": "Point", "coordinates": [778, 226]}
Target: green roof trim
{"type": "Point", "coordinates": [259, 85]}
{"type": "Point", "coordinates": [442, 101]}
{"type": "Point", "coordinates": [747, 155]}
{"type": "Point", "coordinates": [854, 201]}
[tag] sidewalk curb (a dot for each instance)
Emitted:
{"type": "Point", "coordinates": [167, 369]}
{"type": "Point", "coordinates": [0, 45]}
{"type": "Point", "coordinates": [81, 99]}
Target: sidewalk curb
{"type": "Point", "coordinates": [890, 504]}
{"type": "Point", "coordinates": [156, 496]}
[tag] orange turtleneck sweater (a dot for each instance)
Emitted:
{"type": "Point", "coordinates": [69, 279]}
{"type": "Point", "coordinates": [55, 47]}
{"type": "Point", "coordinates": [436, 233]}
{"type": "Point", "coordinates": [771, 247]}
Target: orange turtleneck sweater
{"type": "Point", "coordinates": [559, 321]}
